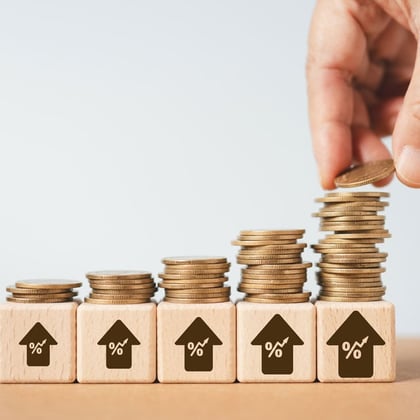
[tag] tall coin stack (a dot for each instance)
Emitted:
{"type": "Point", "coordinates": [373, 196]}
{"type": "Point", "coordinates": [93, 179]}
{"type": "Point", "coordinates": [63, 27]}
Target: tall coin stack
{"type": "Point", "coordinates": [195, 279]}
{"type": "Point", "coordinates": [275, 271]}
{"type": "Point", "coordinates": [350, 266]}
{"type": "Point", "coordinates": [43, 291]}
{"type": "Point", "coordinates": [120, 287]}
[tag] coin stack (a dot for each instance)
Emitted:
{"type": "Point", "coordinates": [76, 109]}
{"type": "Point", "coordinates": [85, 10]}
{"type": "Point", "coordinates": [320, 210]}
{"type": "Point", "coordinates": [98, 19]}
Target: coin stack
{"type": "Point", "coordinates": [275, 271]}
{"type": "Point", "coordinates": [42, 291]}
{"type": "Point", "coordinates": [195, 279]}
{"type": "Point", "coordinates": [350, 266]}
{"type": "Point", "coordinates": [120, 287]}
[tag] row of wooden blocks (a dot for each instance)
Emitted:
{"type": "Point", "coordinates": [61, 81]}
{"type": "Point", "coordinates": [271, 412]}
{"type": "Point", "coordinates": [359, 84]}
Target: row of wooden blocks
{"type": "Point", "coordinates": [203, 343]}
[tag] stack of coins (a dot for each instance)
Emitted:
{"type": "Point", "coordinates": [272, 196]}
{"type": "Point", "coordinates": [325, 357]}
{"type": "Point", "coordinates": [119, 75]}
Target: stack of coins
{"type": "Point", "coordinates": [350, 266]}
{"type": "Point", "coordinates": [275, 271]}
{"type": "Point", "coordinates": [120, 287]}
{"type": "Point", "coordinates": [195, 279]}
{"type": "Point", "coordinates": [43, 291]}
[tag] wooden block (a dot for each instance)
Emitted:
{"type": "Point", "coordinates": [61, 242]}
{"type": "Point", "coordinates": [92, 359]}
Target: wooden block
{"type": "Point", "coordinates": [38, 342]}
{"type": "Point", "coordinates": [356, 341]}
{"type": "Point", "coordinates": [276, 342]}
{"type": "Point", "coordinates": [196, 342]}
{"type": "Point", "coordinates": [116, 343]}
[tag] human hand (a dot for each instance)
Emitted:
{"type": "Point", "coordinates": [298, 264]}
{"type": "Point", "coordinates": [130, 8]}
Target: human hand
{"type": "Point", "coordinates": [364, 83]}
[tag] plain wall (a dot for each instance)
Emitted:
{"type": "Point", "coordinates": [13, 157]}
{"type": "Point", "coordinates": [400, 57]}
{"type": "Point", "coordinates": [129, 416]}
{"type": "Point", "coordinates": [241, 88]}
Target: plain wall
{"type": "Point", "coordinates": [134, 130]}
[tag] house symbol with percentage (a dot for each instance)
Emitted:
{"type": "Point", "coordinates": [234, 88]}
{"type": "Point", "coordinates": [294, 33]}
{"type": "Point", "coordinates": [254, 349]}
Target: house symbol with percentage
{"type": "Point", "coordinates": [38, 341]}
{"type": "Point", "coordinates": [198, 341]}
{"type": "Point", "coordinates": [118, 341]}
{"type": "Point", "coordinates": [356, 340]}
{"type": "Point", "coordinates": [277, 340]}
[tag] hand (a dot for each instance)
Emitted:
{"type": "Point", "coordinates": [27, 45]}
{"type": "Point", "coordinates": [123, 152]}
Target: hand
{"type": "Point", "coordinates": [364, 83]}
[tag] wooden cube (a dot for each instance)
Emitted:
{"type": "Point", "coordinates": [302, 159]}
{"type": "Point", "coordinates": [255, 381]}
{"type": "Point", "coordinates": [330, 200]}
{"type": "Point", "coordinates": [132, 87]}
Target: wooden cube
{"type": "Point", "coordinates": [276, 342]}
{"type": "Point", "coordinates": [196, 342]}
{"type": "Point", "coordinates": [38, 342]}
{"type": "Point", "coordinates": [356, 341]}
{"type": "Point", "coordinates": [116, 343]}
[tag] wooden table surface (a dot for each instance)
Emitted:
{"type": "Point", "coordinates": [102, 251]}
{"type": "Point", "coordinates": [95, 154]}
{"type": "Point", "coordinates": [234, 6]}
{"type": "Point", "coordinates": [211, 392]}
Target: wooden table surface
{"type": "Point", "coordinates": [399, 400]}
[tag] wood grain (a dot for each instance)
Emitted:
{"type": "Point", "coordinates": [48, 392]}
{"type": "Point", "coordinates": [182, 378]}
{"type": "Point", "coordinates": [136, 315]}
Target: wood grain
{"type": "Point", "coordinates": [16, 320]}
{"type": "Point", "coordinates": [380, 315]}
{"type": "Point", "coordinates": [173, 319]}
{"type": "Point", "coordinates": [252, 318]}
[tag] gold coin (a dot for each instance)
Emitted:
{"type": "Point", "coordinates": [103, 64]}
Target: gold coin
{"type": "Point", "coordinates": [194, 272]}
{"type": "Point", "coordinates": [366, 173]}
{"type": "Point", "coordinates": [131, 287]}
{"type": "Point", "coordinates": [116, 301]}
{"type": "Point", "coordinates": [289, 241]}
{"type": "Point", "coordinates": [275, 277]}
{"type": "Point", "coordinates": [200, 267]}
{"type": "Point", "coordinates": [278, 232]}
{"type": "Point", "coordinates": [356, 270]}
{"type": "Point", "coordinates": [271, 285]}
{"type": "Point", "coordinates": [274, 300]}
{"type": "Point", "coordinates": [118, 274]}
{"type": "Point", "coordinates": [198, 277]}
{"type": "Point", "coordinates": [287, 253]}
{"type": "Point", "coordinates": [172, 285]}
{"type": "Point", "coordinates": [252, 262]}
{"type": "Point", "coordinates": [358, 236]}
{"type": "Point", "coordinates": [345, 250]}
{"type": "Point", "coordinates": [348, 299]}
{"type": "Point", "coordinates": [63, 295]}
{"type": "Point", "coordinates": [48, 284]}
{"type": "Point", "coordinates": [200, 300]}
{"type": "Point", "coordinates": [37, 300]}
{"type": "Point", "coordinates": [374, 194]}
{"type": "Point", "coordinates": [194, 260]}
{"type": "Point", "coordinates": [123, 282]}
{"type": "Point", "coordinates": [122, 296]}
{"type": "Point", "coordinates": [129, 292]}
{"type": "Point", "coordinates": [352, 289]}
{"type": "Point", "coordinates": [204, 292]}
{"type": "Point", "coordinates": [26, 291]}
{"type": "Point", "coordinates": [256, 291]}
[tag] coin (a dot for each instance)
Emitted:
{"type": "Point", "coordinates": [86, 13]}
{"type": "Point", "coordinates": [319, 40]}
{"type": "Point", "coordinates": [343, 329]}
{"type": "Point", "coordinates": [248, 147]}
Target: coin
{"type": "Point", "coordinates": [265, 232]}
{"type": "Point", "coordinates": [366, 173]}
{"type": "Point", "coordinates": [37, 300]}
{"type": "Point", "coordinates": [26, 291]}
{"type": "Point", "coordinates": [248, 243]}
{"type": "Point", "coordinates": [48, 284]}
{"type": "Point", "coordinates": [193, 260]}
{"type": "Point", "coordinates": [116, 301]}
{"type": "Point", "coordinates": [118, 274]}
{"type": "Point", "coordinates": [200, 300]}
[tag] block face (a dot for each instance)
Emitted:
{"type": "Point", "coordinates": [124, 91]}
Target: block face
{"type": "Point", "coordinates": [276, 342]}
{"type": "Point", "coordinates": [38, 342]}
{"type": "Point", "coordinates": [356, 341]}
{"type": "Point", "coordinates": [116, 343]}
{"type": "Point", "coordinates": [196, 342]}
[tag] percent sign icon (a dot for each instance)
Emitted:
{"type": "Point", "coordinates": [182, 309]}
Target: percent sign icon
{"type": "Point", "coordinates": [117, 348]}
{"type": "Point", "coordinates": [197, 348]}
{"type": "Point", "coordinates": [355, 349]}
{"type": "Point", "coordinates": [276, 349]}
{"type": "Point", "coordinates": [37, 348]}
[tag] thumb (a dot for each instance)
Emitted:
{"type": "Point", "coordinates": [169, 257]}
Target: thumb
{"type": "Point", "coordinates": [406, 136]}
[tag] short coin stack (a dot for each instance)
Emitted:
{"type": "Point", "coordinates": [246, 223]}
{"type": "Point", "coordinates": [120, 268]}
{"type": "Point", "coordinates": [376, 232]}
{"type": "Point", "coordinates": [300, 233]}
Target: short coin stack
{"type": "Point", "coordinates": [275, 271]}
{"type": "Point", "coordinates": [350, 267]}
{"type": "Point", "coordinates": [195, 279]}
{"type": "Point", "coordinates": [42, 291]}
{"type": "Point", "coordinates": [120, 287]}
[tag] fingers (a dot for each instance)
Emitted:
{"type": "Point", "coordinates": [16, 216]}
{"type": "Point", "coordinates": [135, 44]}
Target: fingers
{"type": "Point", "coordinates": [384, 115]}
{"type": "Point", "coordinates": [406, 136]}
{"type": "Point", "coordinates": [335, 53]}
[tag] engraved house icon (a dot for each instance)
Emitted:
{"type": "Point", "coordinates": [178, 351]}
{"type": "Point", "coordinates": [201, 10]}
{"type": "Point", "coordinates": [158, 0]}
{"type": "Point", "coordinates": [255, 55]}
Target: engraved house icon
{"type": "Point", "coordinates": [198, 341]}
{"type": "Point", "coordinates": [38, 341]}
{"type": "Point", "coordinates": [277, 340]}
{"type": "Point", "coordinates": [355, 339]}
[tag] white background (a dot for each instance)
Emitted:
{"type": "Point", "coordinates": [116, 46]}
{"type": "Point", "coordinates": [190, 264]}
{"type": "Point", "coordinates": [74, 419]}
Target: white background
{"type": "Point", "coordinates": [134, 130]}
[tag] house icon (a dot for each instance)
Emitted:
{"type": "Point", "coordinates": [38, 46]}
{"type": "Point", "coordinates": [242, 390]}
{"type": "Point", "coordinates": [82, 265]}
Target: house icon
{"type": "Point", "coordinates": [118, 341]}
{"type": "Point", "coordinates": [38, 341]}
{"type": "Point", "coordinates": [277, 340]}
{"type": "Point", "coordinates": [198, 341]}
{"type": "Point", "coordinates": [355, 339]}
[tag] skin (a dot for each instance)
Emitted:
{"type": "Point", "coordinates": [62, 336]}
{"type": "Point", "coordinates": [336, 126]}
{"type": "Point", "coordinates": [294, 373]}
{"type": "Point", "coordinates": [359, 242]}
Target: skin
{"type": "Point", "coordinates": [363, 75]}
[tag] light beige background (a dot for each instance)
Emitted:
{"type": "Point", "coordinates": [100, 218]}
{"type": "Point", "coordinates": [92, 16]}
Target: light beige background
{"type": "Point", "coordinates": [133, 130]}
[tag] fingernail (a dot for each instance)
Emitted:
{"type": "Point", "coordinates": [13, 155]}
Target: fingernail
{"type": "Point", "coordinates": [408, 166]}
